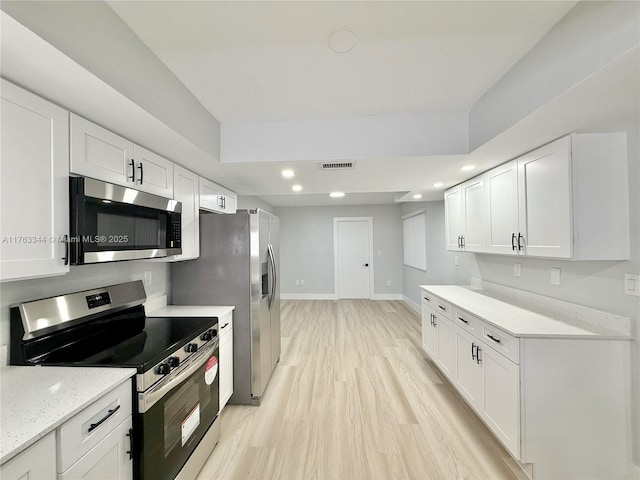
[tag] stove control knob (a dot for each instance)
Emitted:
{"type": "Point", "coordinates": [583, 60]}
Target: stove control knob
{"type": "Point", "coordinates": [163, 369]}
{"type": "Point", "coordinates": [214, 333]}
{"type": "Point", "coordinates": [173, 361]}
{"type": "Point", "coordinates": [206, 336]}
{"type": "Point", "coordinates": [191, 347]}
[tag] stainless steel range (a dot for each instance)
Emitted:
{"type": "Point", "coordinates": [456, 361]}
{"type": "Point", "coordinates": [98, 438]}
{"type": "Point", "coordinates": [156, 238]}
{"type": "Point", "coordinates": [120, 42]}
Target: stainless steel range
{"type": "Point", "coordinates": [176, 389]}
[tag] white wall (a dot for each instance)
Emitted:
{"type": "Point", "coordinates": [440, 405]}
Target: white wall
{"type": "Point", "coordinates": [81, 277]}
{"type": "Point", "coordinates": [251, 202]}
{"type": "Point", "coordinates": [306, 248]}
{"type": "Point", "coordinates": [441, 268]}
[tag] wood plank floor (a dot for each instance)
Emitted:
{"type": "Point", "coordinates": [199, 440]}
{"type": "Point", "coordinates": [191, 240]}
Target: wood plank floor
{"type": "Point", "coordinates": [355, 397]}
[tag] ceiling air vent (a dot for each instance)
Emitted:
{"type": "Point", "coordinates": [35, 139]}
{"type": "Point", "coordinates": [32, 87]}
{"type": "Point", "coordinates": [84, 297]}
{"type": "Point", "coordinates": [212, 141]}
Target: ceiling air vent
{"type": "Point", "coordinates": [336, 166]}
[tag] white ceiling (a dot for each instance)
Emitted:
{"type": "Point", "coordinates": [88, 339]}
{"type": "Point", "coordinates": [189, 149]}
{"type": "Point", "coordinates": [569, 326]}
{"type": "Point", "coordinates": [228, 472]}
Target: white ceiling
{"type": "Point", "coordinates": [268, 60]}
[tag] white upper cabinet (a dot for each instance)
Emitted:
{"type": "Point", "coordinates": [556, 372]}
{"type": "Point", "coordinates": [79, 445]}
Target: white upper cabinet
{"type": "Point", "coordinates": [501, 202]}
{"type": "Point", "coordinates": [465, 216]}
{"type": "Point", "coordinates": [185, 187]}
{"type": "Point", "coordinates": [568, 199]}
{"type": "Point", "coordinates": [34, 186]}
{"type": "Point", "coordinates": [215, 198]}
{"type": "Point", "coordinates": [98, 153]}
{"type": "Point", "coordinates": [154, 174]}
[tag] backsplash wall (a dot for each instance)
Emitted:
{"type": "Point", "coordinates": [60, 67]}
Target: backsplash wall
{"type": "Point", "coordinates": [82, 277]}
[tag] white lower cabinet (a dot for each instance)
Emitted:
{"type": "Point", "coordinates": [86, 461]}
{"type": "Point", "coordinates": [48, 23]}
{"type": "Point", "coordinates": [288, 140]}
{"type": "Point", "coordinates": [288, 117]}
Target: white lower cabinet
{"type": "Point", "coordinates": [226, 358]}
{"type": "Point", "coordinates": [429, 333]}
{"type": "Point", "coordinates": [467, 370]}
{"type": "Point", "coordinates": [109, 459]}
{"type": "Point", "coordinates": [96, 443]}
{"type": "Point", "coordinates": [38, 462]}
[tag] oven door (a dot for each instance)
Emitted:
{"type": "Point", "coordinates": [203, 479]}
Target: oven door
{"type": "Point", "coordinates": [176, 413]}
{"type": "Point", "coordinates": [110, 223]}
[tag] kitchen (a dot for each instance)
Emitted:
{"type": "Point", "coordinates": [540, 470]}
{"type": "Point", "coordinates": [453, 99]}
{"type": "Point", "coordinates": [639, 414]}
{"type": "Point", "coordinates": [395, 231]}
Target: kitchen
{"type": "Point", "coordinates": [587, 52]}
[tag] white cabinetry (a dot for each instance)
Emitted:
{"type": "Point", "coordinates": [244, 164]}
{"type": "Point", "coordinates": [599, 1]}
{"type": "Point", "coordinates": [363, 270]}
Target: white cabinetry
{"type": "Point", "coordinates": [465, 217]}
{"type": "Point", "coordinates": [34, 185]}
{"type": "Point", "coordinates": [437, 333]}
{"type": "Point", "coordinates": [543, 203]}
{"type": "Point", "coordinates": [468, 370]}
{"type": "Point", "coordinates": [97, 443]}
{"type": "Point", "coordinates": [185, 189]}
{"type": "Point", "coordinates": [98, 153]}
{"type": "Point", "coordinates": [215, 198]}
{"type": "Point", "coordinates": [38, 462]}
{"type": "Point", "coordinates": [226, 358]}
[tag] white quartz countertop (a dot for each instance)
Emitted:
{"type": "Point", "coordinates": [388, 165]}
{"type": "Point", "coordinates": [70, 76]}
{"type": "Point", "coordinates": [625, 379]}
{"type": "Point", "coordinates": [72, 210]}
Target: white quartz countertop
{"type": "Point", "coordinates": [516, 320]}
{"type": "Point", "coordinates": [190, 311]}
{"type": "Point", "coordinates": [36, 400]}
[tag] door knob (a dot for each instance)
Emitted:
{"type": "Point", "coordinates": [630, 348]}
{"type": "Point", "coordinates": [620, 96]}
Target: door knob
{"type": "Point", "coordinates": [366, 264]}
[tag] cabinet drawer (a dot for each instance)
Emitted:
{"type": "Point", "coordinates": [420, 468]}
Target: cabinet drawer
{"type": "Point", "coordinates": [436, 303]}
{"type": "Point", "coordinates": [467, 321]}
{"type": "Point", "coordinates": [502, 342]}
{"type": "Point", "coordinates": [81, 433]}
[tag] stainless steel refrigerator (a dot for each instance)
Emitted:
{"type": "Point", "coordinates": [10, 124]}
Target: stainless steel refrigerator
{"type": "Point", "coordinates": [239, 265]}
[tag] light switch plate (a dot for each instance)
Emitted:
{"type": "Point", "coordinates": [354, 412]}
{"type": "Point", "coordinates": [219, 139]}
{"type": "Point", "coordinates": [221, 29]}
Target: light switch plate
{"type": "Point", "coordinates": [555, 276]}
{"type": "Point", "coordinates": [517, 269]}
{"type": "Point", "coordinates": [632, 285]}
{"type": "Point", "coordinates": [456, 260]}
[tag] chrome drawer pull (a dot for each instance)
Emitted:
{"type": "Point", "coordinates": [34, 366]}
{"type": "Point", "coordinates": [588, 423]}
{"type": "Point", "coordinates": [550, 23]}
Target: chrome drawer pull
{"type": "Point", "coordinates": [497, 340]}
{"type": "Point", "coordinates": [463, 320]}
{"type": "Point", "coordinates": [442, 308]}
{"type": "Point", "coordinates": [93, 426]}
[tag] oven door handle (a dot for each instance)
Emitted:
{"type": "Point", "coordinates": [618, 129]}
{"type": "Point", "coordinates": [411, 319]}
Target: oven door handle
{"type": "Point", "coordinates": [148, 399]}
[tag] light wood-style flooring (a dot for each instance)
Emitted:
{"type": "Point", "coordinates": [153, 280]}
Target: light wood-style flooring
{"type": "Point", "coordinates": [355, 397]}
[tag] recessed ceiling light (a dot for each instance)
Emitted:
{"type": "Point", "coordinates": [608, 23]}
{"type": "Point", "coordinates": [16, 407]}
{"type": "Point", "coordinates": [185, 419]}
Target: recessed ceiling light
{"type": "Point", "coordinates": [466, 168]}
{"type": "Point", "coordinates": [342, 41]}
{"type": "Point", "coordinates": [417, 196]}
{"type": "Point", "coordinates": [296, 188]}
{"type": "Point", "coordinates": [288, 173]}
{"type": "Point", "coordinates": [336, 194]}
{"type": "Point", "coordinates": [438, 184]}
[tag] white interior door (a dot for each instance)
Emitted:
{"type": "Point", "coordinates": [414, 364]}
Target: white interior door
{"type": "Point", "coordinates": [353, 257]}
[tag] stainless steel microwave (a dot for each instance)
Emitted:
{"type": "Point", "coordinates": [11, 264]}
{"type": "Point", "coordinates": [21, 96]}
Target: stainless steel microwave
{"type": "Point", "coordinates": [110, 223]}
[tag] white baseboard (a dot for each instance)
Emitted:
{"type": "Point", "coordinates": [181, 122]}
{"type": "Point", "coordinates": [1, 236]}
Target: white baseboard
{"type": "Point", "coordinates": [308, 296]}
{"type": "Point", "coordinates": [411, 303]}
{"type": "Point", "coordinates": [386, 296]}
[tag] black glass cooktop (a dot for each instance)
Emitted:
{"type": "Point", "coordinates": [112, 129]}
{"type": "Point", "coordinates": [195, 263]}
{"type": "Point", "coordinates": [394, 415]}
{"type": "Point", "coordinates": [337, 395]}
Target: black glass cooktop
{"type": "Point", "coordinates": [123, 339]}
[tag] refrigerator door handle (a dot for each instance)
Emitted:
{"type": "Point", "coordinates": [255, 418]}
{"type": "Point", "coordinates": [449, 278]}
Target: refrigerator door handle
{"type": "Point", "coordinates": [274, 277]}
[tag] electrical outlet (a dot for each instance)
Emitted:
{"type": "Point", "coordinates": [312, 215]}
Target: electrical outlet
{"type": "Point", "coordinates": [555, 276]}
{"type": "Point", "coordinates": [388, 283]}
{"type": "Point", "coordinates": [456, 260]}
{"type": "Point", "coordinates": [517, 269]}
{"type": "Point", "coordinates": [148, 278]}
{"type": "Point", "coordinates": [632, 285]}
{"type": "Point", "coordinates": [297, 283]}
{"type": "Point", "coordinates": [301, 282]}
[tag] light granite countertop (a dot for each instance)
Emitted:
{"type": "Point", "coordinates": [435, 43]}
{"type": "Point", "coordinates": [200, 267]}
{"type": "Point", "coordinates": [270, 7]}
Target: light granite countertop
{"type": "Point", "coordinates": [190, 311]}
{"type": "Point", "coordinates": [36, 400]}
{"type": "Point", "coordinates": [518, 321]}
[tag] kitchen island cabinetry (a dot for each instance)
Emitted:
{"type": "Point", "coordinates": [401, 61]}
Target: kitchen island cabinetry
{"type": "Point", "coordinates": [34, 186]}
{"type": "Point", "coordinates": [536, 382]}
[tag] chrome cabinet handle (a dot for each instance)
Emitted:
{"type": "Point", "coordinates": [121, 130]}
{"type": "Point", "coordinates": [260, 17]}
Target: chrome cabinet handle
{"type": "Point", "coordinates": [93, 426]}
{"type": "Point", "coordinates": [478, 350]}
{"type": "Point", "coordinates": [513, 240]}
{"type": "Point", "coordinates": [427, 299]}
{"type": "Point", "coordinates": [497, 340]}
{"type": "Point", "coordinates": [519, 238]}
{"type": "Point", "coordinates": [130, 451]}
{"type": "Point", "coordinates": [65, 239]}
{"type": "Point", "coordinates": [442, 308]}
{"type": "Point", "coordinates": [473, 353]}
{"type": "Point", "coordinates": [461, 241]}
{"type": "Point", "coordinates": [463, 320]}
{"type": "Point", "coordinates": [141, 173]}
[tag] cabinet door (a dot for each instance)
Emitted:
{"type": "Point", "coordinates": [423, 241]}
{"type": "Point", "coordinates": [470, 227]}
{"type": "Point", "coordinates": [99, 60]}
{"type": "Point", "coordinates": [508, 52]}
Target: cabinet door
{"type": "Point", "coordinates": [467, 370]}
{"type": "Point", "coordinates": [38, 462]}
{"type": "Point", "coordinates": [226, 367]}
{"type": "Point", "coordinates": [501, 208]}
{"type": "Point", "coordinates": [429, 333]}
{"type": "Point", "coordinates": [185, 188]}
{"type": "Point", "coordinates": [101, 154]}
{"type": "Point", "coordinates": [209, 195]}
{"type": "Point", "coordinates": [445, 345]}
{"type": "Point", "coordinates": [453, 217]}
{"type": "Point", "coordinates": [230, 202]}
{"type": "Point", "coordinates": [473, 216]}
{"type": "Point", "coordinates": [544, 189]}
{"type": "Point", "coordinates": [109, 459]}
{"type": "Point", "coordinates": [154, 174]}
{"type": "Point", "coordinates": [34, 185]}
{"type": "Point", "coordinates": [501, 406]}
